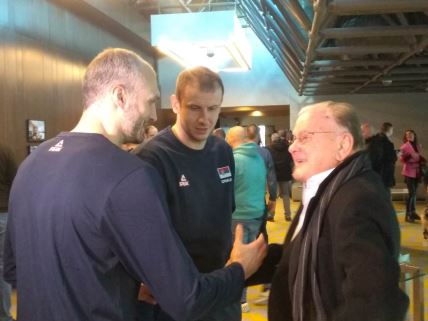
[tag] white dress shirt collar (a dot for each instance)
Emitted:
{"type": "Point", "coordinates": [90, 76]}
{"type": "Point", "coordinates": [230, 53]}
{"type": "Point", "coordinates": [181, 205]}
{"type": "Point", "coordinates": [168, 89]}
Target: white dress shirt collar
{"type": "Point", "coordinates": [310, 188]}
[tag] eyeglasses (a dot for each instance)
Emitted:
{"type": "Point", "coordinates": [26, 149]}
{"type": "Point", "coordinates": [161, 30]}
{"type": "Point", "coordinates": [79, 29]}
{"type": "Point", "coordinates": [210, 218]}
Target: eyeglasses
{"type": "Point", "coordinates": [305, 137]}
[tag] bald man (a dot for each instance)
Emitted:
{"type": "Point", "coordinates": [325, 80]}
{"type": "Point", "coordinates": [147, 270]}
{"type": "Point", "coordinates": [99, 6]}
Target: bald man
{"type": "Point", "coordinates": [250, 185]}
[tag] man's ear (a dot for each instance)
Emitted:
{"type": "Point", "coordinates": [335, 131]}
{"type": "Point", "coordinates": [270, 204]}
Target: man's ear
{"type": "Point", "coordinates": [175, 104]}
{"type": "Point", "coordinates": [345, 146]}
{"type": "Point", "coordinates": [120, 96]}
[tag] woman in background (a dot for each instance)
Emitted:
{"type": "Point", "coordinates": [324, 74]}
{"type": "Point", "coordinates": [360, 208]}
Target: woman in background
{"type": "Point", "coordinates": [410, 157]}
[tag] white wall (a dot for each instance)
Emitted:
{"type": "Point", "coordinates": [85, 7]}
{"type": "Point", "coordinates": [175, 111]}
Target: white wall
{"type": "Point", "coordinates": [404, 111]}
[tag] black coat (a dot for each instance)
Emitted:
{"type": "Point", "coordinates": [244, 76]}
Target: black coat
{"type": "Point", "coordinates": [357, 258]}
{"type": "Point", "coordinates": [282, 160]}
{"type": "Point", "coordinates": [383, 157]}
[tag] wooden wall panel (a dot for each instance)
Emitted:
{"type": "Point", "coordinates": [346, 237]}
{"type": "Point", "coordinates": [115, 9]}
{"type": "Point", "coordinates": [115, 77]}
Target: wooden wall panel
{"type": "Point", "coordinates": [44, 50]}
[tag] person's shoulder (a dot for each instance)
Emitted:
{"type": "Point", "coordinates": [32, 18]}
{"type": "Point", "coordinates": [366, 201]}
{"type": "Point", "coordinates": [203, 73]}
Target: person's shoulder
{"type": "Point", "coordinates": [363, 188]}
{"type": "Point", "coordinates": [215, 144]}
{"type": "Point", "coordinates": [163, 139]}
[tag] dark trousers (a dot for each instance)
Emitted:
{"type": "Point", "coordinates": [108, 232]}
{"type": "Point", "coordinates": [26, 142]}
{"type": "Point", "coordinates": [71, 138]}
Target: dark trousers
{"type": "Point", "coordinates": [412, 185]}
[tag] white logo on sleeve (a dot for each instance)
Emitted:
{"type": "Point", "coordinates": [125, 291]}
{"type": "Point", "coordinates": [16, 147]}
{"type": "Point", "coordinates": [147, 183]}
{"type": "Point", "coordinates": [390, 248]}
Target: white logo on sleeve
{"type": "Point", "coordinates": [57, 147]}
{"type": "Point", "coordinates": [183, 181]}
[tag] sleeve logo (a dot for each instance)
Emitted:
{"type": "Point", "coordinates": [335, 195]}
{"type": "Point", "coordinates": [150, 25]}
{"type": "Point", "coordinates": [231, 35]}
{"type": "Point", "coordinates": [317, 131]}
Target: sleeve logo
{"type": "Point", "coordinates": [224, 174]}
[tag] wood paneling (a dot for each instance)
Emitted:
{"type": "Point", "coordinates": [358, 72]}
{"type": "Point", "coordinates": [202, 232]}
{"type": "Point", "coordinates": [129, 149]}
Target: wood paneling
{"type": "Point", "coordinates": [36, 83]}
{"type": "Point", "coordinates": [44, 49]}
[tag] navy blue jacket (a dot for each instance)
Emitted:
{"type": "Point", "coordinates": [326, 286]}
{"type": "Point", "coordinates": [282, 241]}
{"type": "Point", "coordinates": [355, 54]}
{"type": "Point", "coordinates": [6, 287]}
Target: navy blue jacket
{"type": "Point", "coordinates": [89, 221]}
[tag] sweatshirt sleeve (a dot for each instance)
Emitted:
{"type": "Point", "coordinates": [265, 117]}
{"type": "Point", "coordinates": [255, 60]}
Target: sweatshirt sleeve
{"type": "Point", "coordinates": [139, 229]}
{"type": "Point", "coordinates": [9, 262]}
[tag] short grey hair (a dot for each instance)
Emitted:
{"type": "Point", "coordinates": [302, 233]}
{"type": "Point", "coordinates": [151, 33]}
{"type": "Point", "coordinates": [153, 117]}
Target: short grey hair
{"type": "Point", "coordinates": [112, 67]}
{"type": "Point", "coordinates": [345, 116]}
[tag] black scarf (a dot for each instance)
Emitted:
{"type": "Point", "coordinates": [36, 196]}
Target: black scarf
{"type": "Point", "coordinates": [353, 166]}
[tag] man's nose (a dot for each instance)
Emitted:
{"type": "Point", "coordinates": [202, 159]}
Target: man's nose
{"type": "Point", "coordinates": [153, 117]}
{"type": "Point", "coordinates": [203, 115]}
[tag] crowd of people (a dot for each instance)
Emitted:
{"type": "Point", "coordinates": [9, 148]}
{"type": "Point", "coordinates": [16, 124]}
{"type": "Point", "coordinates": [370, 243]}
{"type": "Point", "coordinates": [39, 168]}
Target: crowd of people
{"type": "Point", "coordinates": [116, 220]}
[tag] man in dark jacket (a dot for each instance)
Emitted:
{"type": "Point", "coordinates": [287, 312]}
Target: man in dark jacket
{"type": "Point", "coordinates": [283, 165]}
{"type": "Point", "coordinates": [383, 157]}
{"type": "Point", "coordinates": [339, 261]}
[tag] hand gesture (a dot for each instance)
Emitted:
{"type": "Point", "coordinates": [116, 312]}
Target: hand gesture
{"type": "Point", "coordinates": [251, 255]}
{"type": "Point", "coordinates": [145, 295]}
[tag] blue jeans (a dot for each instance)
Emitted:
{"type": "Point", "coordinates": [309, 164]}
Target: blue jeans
{"type": "Point", "coordinates": [251, 232]}
{"type": "Point", "coordinates": [5, 288]}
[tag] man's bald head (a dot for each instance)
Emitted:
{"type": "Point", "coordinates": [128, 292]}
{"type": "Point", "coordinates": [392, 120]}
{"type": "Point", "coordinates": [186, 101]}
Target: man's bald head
{"type": "Point", "coordinates": [236, 136]}
{"type": "Point", "coordinates": [113, 67]}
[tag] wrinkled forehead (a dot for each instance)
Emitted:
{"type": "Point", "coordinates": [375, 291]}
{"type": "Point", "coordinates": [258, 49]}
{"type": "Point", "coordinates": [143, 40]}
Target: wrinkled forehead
{"type": "Point", "coordinates": [315, 118]}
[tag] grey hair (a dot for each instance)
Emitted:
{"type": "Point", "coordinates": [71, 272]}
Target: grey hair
{"type": "Point", "coordinates": [345, 116]}
{"type": "Point", "coordinates": [112, 67]}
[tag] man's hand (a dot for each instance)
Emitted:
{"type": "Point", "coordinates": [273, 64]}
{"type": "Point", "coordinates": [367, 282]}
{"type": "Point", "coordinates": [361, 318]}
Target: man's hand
{"type": "Point", "coordinates": [145, 295]}
{"type": "Point", "coordinates": [251, 255]}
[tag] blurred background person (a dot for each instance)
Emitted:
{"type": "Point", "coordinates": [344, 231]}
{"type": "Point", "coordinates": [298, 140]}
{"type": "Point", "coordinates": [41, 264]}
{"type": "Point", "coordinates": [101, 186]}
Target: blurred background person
{"type": "Point", "coordinates": [283, 166]}
{"type": "Point", "coordinates": [410, 156]}
{"type": "Point", "coordinates": [150, 132]}
{"type": "Point", "coordinates": [220, 133]}
{"type": "Point", "coordinates": [384, 154]}
{"type": "Point", "coordinates": [250, 186]}
{"type": "Point", "coordinates": [253, 135]}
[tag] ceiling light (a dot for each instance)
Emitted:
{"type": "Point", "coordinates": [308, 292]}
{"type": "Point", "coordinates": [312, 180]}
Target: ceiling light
{"type": "Point", "coordinates": [257, 113]}
{"type": "Point", "coordinates": [387, 82]}
{"type": "Point", "coordinates": [189, 39]}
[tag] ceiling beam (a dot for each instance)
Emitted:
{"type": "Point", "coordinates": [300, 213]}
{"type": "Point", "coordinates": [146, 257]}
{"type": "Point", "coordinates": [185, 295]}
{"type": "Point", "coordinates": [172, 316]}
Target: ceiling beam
{"type": "Point", "coordinates": [350, 63]}
{"type": "Point", "coordinates": [286, 24]}
{"type": "Point", "coordinates": [417, 61]}
{"type": "Point", "coordinates": [409, 70]}
{"type": "Point", "coordinates": [293, 6]}
{"type": "Point", "coordinates": [360, 50]}
{"type": "Point", "coordinates": [383, 31]}
{"type": "Point", "coordinates": [289, 41]}
{"type": "Point", "coordinates": [337, 79]}
{"type": "Point", "coordinates": [367, 7]}
{"type": "Point", "coordinates": [320, 13]}
{"type": "Point", "coordinates": [417, 49]}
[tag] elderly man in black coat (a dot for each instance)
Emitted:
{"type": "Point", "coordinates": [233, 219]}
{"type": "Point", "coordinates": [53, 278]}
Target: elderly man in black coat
{"type": "Point", "coordinates": [340, 258]}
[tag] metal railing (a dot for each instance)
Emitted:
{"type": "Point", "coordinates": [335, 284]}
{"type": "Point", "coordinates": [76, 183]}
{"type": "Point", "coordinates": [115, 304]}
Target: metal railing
{"type": "Point", "coordinates": [415, 275]}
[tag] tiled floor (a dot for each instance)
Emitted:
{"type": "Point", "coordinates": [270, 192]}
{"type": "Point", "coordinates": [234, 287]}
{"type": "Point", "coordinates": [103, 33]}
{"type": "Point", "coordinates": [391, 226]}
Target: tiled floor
{"type": "Point", "coordinates": [411, 241]}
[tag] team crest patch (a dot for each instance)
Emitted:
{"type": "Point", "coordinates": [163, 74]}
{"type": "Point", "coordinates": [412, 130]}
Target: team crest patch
{"type": "Point", "coordinates": [224, 174]}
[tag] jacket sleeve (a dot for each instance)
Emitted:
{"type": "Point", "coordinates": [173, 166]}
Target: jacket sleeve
{"type": "Point", "coordinates": [366, 241]}
{"type": "Point", "coordinates": [266, 271]}
{"type": "Point", "coordinates": [408, 154]}
{"type": "Point", "coordinates": [141, 235]}
{"type": "Point", "coordinates": [9, 262]}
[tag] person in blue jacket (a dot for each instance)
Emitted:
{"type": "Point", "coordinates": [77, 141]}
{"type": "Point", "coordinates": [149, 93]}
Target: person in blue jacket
{"type": "Point", "coordinates": [250, 186]}
{"type": "Point", "coordinates": [198, 171]}
{"type": "Point", "coordinates": [88, 221]}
